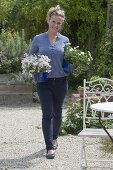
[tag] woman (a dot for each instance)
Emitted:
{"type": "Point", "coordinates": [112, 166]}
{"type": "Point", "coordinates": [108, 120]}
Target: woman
{"type": "Point", "coordinates": [53, 91]}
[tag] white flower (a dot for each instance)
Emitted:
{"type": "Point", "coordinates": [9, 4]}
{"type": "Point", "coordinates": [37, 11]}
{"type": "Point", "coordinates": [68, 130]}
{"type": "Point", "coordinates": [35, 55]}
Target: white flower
{"type": "Point", "coordinates": [34, 63]}
{"type": "Point", "coordinates": [76, 47]}
{"type": "Point", "coordinates": [82, 53]}
{"type": "Point", "coordinates": [90, 55]}
{"type": "Point", "coordinates": [71, 49]}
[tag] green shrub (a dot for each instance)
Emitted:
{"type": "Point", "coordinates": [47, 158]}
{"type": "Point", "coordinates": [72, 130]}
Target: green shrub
{"type": "Point", "coordinates": [73, 121]}
{"type": "Point", "coordinates": [104, 55]}
{"type": "Point", "coordinates": [12, 48]}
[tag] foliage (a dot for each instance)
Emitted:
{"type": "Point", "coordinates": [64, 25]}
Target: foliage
{"type": "Point", "coordinates": [12, 48]}
{"type": "Point", "coordinates": [78, 58]}
{"type": "Point", "coordinates": [5, 8]}
{"type": "Point", "coordinates": [94, 77]}
{"type": "Point", "coordinates": [73, 121]}
{"type": "Point", "coordinates": [87, 22]}
{"type": "Point", "coordinates": [103, 61]}
{"type": "Point", "coordinates": [31, 16]}
{"type": "Point", "coordinates": [83, 26]}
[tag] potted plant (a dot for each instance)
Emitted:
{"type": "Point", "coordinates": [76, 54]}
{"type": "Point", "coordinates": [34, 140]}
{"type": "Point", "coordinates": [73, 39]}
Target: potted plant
{"type": "Point", "coordinates": [79, 59]}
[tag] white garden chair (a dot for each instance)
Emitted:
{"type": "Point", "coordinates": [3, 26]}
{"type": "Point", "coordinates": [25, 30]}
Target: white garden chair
{"type": "Point", "coordinates": [99, 90]}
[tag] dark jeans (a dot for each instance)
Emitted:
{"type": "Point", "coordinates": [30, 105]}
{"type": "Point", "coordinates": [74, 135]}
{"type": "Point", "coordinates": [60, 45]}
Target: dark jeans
{"type": "Point", "coordinates": [51, 95]}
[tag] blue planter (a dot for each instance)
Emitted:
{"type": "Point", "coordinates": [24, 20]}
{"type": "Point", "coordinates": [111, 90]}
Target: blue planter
{"type": "Point", "coordinates": [40, 77]}
{"type": "Point", "coordinates": [67, 67]}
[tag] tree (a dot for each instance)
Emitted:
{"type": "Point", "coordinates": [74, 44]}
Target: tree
{"type": "Point", "coordinates": [5, 9]}
{"type": "Point", "coordinates": [109, 19]}
{"type": "Point", "coordinates": [85, 21]}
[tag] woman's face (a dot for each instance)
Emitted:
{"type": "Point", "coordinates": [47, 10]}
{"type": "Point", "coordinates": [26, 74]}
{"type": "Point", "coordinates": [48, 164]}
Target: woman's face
{"type": "Point", "coordinates": [55, 23]}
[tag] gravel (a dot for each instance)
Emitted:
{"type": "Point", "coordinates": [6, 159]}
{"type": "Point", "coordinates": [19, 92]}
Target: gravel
{"type": "Point", "coordinates": [22, 146]}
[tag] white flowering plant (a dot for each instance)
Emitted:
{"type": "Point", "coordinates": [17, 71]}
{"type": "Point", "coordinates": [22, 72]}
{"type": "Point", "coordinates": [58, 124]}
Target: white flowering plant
{"type": "Point", "coordinates": [78, 58]}
{"type": "Point", "coordinates": [35, 64]}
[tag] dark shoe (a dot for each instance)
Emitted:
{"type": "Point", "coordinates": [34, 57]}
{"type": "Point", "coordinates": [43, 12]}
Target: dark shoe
{"type": "Point", "coordinates": [50, 154]}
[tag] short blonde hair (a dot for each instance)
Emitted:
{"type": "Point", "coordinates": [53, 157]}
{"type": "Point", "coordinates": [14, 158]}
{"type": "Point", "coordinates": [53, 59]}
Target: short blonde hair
{"type": "Point", "coordinates": [55, 11]}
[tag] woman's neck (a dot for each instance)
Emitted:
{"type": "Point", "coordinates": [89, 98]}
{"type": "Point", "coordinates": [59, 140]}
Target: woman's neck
{"type": "Point", "coordinates": [52, 36]}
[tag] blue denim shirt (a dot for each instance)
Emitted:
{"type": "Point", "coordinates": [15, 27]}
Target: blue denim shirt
{"type": "Point", "coordinates": [41, 45]}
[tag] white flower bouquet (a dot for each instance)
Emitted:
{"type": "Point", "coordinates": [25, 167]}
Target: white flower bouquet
{"type": "Point", "coordinates": [35, 65]}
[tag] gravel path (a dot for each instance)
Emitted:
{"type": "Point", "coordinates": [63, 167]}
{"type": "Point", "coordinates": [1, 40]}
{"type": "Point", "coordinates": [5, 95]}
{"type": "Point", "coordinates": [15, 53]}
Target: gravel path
{"type": "Point", "coordinates": [22, 146]}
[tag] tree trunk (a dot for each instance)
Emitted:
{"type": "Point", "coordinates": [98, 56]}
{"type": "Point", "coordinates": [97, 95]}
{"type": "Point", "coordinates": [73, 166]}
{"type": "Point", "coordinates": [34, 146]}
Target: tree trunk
{"type": "Point", "coordinates": [109, 19]}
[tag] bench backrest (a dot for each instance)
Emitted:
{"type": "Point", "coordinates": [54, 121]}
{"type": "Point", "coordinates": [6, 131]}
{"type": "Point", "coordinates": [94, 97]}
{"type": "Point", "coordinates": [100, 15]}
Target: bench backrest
{"type": "Point", "coordinates": [99, 90]}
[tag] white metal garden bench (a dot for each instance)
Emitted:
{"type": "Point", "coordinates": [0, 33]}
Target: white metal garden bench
{"type": "Point", "coordinates": [97, 91]}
